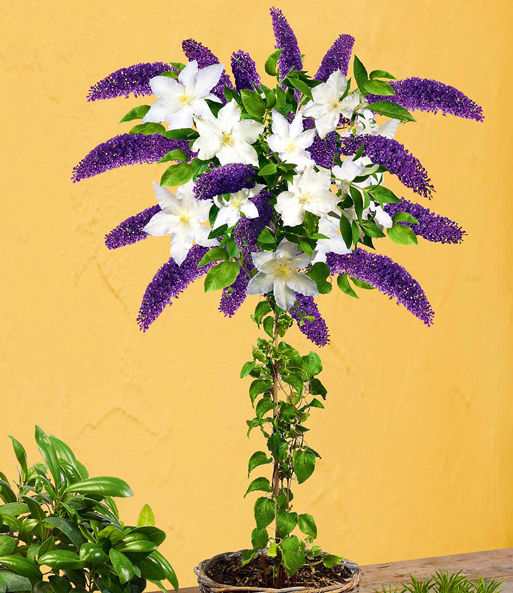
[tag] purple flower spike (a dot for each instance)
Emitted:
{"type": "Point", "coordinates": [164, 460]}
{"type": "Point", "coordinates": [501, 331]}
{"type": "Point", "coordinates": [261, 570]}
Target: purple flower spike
{"type": "Point", "coordinates": [387, 276]}
{"type": "Point", "coordinates": [432, 227]}
{"type": "Point", "coordinates": [322, 151]}
{"type": "Point", "coordinates": [394, 156]}
{"type": "Point", "coordinates": [316, 331]}
{"type": "Point", "coordinates": [130, 231]}
{"type": "Point", "coordinates": [290, 57]}
{"type": "Point", "coordinates": [234, 295]}
{"type": "Point", "coordinates": [422, 94]}
{"type": "Point", "coordinates": [194, 50]}
{"type": "Point", "coordinates": [126, 149]}
{"type": "Point", "coordinates": [134, 79]}
{"type": "Point", "coordinates": [168, 283]}
{"type": "Point", "coordinates": [226, 179]}
{"type": "Point", "coordinates": [336, 58]}
{"type": "Point", "coordinates": [248, 230]}
{"type": "Point", "coordinates": [244, 71]}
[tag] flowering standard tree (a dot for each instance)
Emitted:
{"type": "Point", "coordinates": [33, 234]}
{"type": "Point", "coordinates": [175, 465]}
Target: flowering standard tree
{"type": "Point", "coordinates": [280, 190]}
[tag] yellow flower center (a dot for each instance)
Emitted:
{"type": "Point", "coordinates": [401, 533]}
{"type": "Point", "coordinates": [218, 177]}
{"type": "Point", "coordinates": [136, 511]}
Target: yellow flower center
{"type": "Point", "coordinates": [227, 139]}
{"type": "Point", "coordinates": [305, 198]}
{"type": "Point", "coordinates": [184, 218]}
{"type": "Point", "coordinates": [284, 271]}
{"type": "Point", "coordinates": [186, 99]}
{"type": "Point", "coordinates": [291, 147]}
{"type": "Point", "coordinates": [236, 203]}
{"type": "Point", "coordinates": [335, 105]}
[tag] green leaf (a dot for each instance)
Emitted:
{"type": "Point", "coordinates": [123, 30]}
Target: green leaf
{"type": "Point", "coordinates": [269, 326]}
{"type": "Point", "coordinates": [20, 453]}
{"type": "Point", "coordinates": [10, 581]}
{"type": "Point", "coordinates": [293, 558]}
{"type": "Point", "coordinates": [319, 272]}
{"type": "Point", "coordinates": [214, 254]}
{"type": "Point", "coordinates": [384, 195]}
{"type": "Point", "coordinates": [304, 465]}
{"type": "Point", "coordinates": [257, 386]}
{"type": "Point", "coordinates": [345, 231]}
{"type": "Point", "coordinates": [154, 533]}
{"type": "Point", "coordinates": [59, 584]}
{"type": "Point", "coordinates": [258, 458]}
{"type": "Point", "coordinates": [7, 545]}
{"type": "Point", "coordinates": [269, 169]}
{"type": "Point", "coordinates": [22, 566]}
{"type": "Point", "coordinates": [259, 484]}
{"type": "Point", "coordinates": [146, 516]}
{"type": "Point", "coordinates": [136, 113]}
{"type": "Point", "coordinates": [262, 309]}
{"type": "Point", "coordinates": [312, 364]}
{"type": "Point", "coordinates": [122, 565]}
{"type": "Point", "coordinates": [307, 525]}
{"type": "Point", "coordinates": [271, 64]}
{"type": "Point", "coordinates": [264, 406]}
{"type": "Point", "coordinates": [67, 454]}
{"type": "Point", "coordinates": [148, 129]}
{"type": "Point", "coordinates": [315, 403]}
{"type": "Point", "coordinates": [247, 369]}
{"type": "Point", "coordinates": [168, 569]}
{"type": "Point", "coordinates": [286, 522]}
{"type": "Point", "coordinates": [182, 134]}
{"type": "Point", "coordinates": [404, 217]}
{"type": "Point", "coordinates": [253, 103]}
{"type": "Point", "coordinates": [61, 559]}
{"type": "Point", "coordinates": [137, 546]}
{"type": "Point", "coordinates": [175, 155]}
{"type": "Point", "coordinates": [267, 237]}
{"type": "Point", "coordinates": [402, 234]}
{"type": "Point", "coordinates": [69, 528]}
{"type": "Point", "coordinates": [378, 87]}
{"type": "Point", "coordinates": [392, 110]}
{"type": "Point", "coordinates": [357, 201]}
{"type": "Point", "coordinates": [259, 538]}
{"type": "Point", "coordinates": [178, 174]}
{"type": "Point", "coordinates": [343, 284]}
{"type": "Point", "coordinates": [360, 74]}
{"type": "Point", "coordinates": [49, 454]}
{"type": "Point", "coordinates": [264, 512]}
{"type": "Point", "coordinates": [301, 86]}
{"type": "Point", "coordinates": [169, 74]}
{"type": "Point", "coordinates": [92, 554]}
{"type": "Point", "coordinates": [221, 276]}
{"type": "Point", "coordinates": [362, 284]}
{"type": "Point", "coordinates": [13, 509]}
{"type": "Point", "coordinates": [355, 230]}
{"type": "Point", "coordinates": [330, 560]}
{"type": "Point", "coordinates": [151, 569]}
{"type": "Point", "coordinates": [372, 229]}
{"type": "Point", "coordinates": [381, 74]}
{"type": "Point", "coordinates": [102, 486]}
{"type": "Point", "coordinates": [295, 380]}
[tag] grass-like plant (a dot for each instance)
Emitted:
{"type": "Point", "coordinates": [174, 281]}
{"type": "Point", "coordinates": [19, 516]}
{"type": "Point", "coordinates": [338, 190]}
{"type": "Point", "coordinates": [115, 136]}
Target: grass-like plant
{"type": "Point", "coordinates": [444, 582]}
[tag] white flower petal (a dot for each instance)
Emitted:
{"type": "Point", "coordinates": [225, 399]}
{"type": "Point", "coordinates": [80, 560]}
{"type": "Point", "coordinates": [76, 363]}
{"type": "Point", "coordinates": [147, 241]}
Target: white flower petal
{"type": "Point", "coordinates": [296, 127]}
{"type": "Point", "coordinates": [303, 284]}
{"type": "Point", "coordinates": [188, 74]}
{"type": "Point", "coordinates": [292, 213]}
{"type": "Point", "coordinates": [164, 87]}
{"type": "Point", "coordinates": [260, 284]}
{"type": "Point", "coordinates": [207, 78]}
{"type": "Point", "coordinates": [161, 224]}
{"type": "Point", "coordinates": [201, 237]}
{"type": "Point", "coordinates": [388, 129]}
{"type": "Point", "coordinates": [285, 296]}
{"type": "Point", "coordinates": [249, 210]}
{"type": "Point", "coordinates": [229, 114]}
{"type": "Point", "coordinates": [261, 257]}
{"type": "Point", "coordinates": [286, 249]}
{"type": "Point", "coordinates": [248, 130]}
{"type": "Point", "coordinates": [327, 123]}
{"type": "Point", "coordinates": [226, 215]}
{"type": "Point", "coordinates": [181, 242]}
{"type": "Point", "coordinates": [166, 199]}
{"type": "Point", "coordinates": [300, 262]}
{"type": "Point", "coordinates": [280, 124]}
{"type": "Point", "coordinates": [181, 119]}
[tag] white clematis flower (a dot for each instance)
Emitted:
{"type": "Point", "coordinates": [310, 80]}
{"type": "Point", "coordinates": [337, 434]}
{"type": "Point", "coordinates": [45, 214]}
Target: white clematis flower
{"type": "Point", "coordinates": [227, 137]}
{"type": "Point", "coordinates": [239, 204]}
{"type": "Point", "coordinates": [279, 272]}
{"type": "Point", "coordinates": [290, 141]}
{"type": "Point", "coordinates": [326, 107]}
{"type": "Point", "coordinates": [334, 244]}
{"type": "Point", "coordinates": [181, 217]}
{"type": "Point", "coordinates": [308, 192]}
{"type": "Point", "coordinates": [178, 100]}
{"type": "Point", "coordinates": [367, 124]}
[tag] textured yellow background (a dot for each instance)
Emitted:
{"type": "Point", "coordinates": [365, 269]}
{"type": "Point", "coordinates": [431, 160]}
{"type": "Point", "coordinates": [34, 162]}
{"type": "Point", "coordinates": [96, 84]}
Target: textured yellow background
{"type": "Point", "coordinates": [417, 440]}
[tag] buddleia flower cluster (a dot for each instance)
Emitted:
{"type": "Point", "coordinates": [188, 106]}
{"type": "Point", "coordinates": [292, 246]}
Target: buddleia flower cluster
{"type": "Point", "coordinates": [280, 192]}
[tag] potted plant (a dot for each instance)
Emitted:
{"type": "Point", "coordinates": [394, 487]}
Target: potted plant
{"type": "Point", "coordinates": [280, 191]}
{"type": "Point", "coordinates": [60, 530]}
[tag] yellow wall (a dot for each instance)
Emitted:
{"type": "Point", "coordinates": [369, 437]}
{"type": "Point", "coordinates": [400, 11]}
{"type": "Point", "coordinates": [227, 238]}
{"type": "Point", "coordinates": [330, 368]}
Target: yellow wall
{"type": "Point", "coordinates": [417, 440]}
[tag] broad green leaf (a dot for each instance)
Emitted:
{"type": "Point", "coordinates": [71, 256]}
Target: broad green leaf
{"type": "Point", "coordinates": [6, 492]}
{"type": "Point", "coordinates": [355, 231]}
{"type": "Point", "coordinates": [345, 231]}
{"type": "Point", "coordinates": [69, 528]}
{"type": "Point", "coordinates": [266, 237]}
{"type": "Point", "coordinates": [169, 570]}
{"type": "Point", "coordinates": [269, 169]}
{"type": "Point", "coordinates": [154, 533]}
{"type": "Point", "coordinates": [402, 234]}
{"type": "Point", "coordinates": [136, 113]}
{"type": "Point", "coordinates": [59, 584]}
{"type": "Point", "coordinates": [319, 273]}
{"type": "Point", "coordinates": [66, 453]}
{"type": "Point", "coordinates": [22, 566]}
{"type": "Point", "coordinates": [307, 525]}
{"type": "Point", "coordinates": [343, 284]}
{"type": "Point", "coordinates": [101, 486]}
{"type": "Point", "coordinates": [384, 195]}
{"type": "Point", "coordinates": [312, 364]}
{"type": "Point", "coordinates": [146, 516]}
{"type": "Point", "coordinates": [148, 129]}
{"type": "Point", "coordinates": [304, 465]}
{"type": "Point", "coordinates": [295, 380]}
{"type": "Point", "coordinates": [301, 86]}
{"type": "Point", "coordinates": [20, 453]}
{"type": "Point", "coordinates": [360, 74]}
{"type": "Point", "coordinates": [169, 74]}
{"type": "Point", "coordinates": [258, 386]}
{"type": "Point", "coordinates": [151, 569]}
{"type": "Point", "coordinates": [122, 565]}
{"type": "Point", "coordinates": [221, 276]}
{"type": "Point", "coordinates": [49, 454]}
{"type": "Point", "coordinates": [378, 87]}
{"type": "Point", "coordinates": [10, 581]}
{"type": "Point", "coordinates": [286, 522]}
{"type": "Point", "coordinates": [264, 512]}
{"type": "Point", "coordinates": [182, 134]}
{"type": "Point", "coordinates": [139, 546]}
{"type": "Point", "coordinates": [92, 553]}
{"type": "Point", "coordinates": [293, 558]}
{"type": "Point", "coordinates": [257, 459]}
{"type": "Point", "coordinates": [372, 229]}
{"type": "Point", "coordinates": [13, 509]}
{"type": "Point", "coordinates": [264, 406]}
{"type": "Point", "coordinates": [247, 368]}
{"type": "Point", "coordinates": [215, 254]}
{"type": "Point", "coordinates": [381, 74]}
{"type": "Point", "coordinates": [404, 217]}
{"type": "Point", "coordinates": [61, 559]}
{"type": "Point", "coordinates": [391, 110]}
{"type": "Point", "coordinates": [315, 403]}
{"type": "Point", "coordinates": [362, 284]}
{"type": "Point", "coordinates": [269, 326]}
{"type": "Point", "coordinates": [271, 64]}
{"type": "Point", "coordinates": [253, 103]}
{"type": "Point", "coordinates": [175, 155]}
{"type": "Point", "coordinates": [259, 484]}
{"type": "Point", "coordinates": [259, 538]}
{"type": "Point", "coordinates": [7, 545]}
{"type": "Point", "coordinates": [178, 174]}
{"type": "Point", "coordinates": [262, 309]}
{"type": "Point", "coordinates": [330, 560]}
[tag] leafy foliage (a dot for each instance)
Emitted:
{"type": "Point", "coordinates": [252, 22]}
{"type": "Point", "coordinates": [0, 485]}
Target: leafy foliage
{"type": "Point", "coordinates": [60, 529]}
{"type": "Point", "coordinates": [445, 582]}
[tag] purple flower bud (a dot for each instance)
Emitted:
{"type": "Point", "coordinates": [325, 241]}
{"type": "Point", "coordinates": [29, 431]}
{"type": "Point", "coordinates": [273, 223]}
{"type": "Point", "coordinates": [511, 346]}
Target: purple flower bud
{"type": "Point", "coordinates": [168, 283]}
{"type": "Point", "coordinates": [244, 71]}
{"type": "Point", "coordinates": [290, 57]}
{"type": "Point", "coordinates": [323, 150]}
{"type": "Point", "coordinates": [194, 50]}
{"type": "Point", "coordinates": [431, 227]}
{"type": "Point", "coordinates": [130, 231]}
{"type": "Point", "coordinates": [234, 295]}
{"type": "Point", "coordinates": [126, 149]}
{"type": "Point", "coordinates": [317, 330]}
{"type": "Point", "coordinates": [394, 156]}
{"type": "Point", "coordinates": [226, 179]}
{"type": "Point", "coordinates": [387, 276]}
{"type": "Point", "coordinates": [422, 94]}
{"type": "Point", "coordinates": [336, 58]}
{"type": "Point", "coordinates": [134, 79]}
{"type": "Point", "coordinates": [248, 230]}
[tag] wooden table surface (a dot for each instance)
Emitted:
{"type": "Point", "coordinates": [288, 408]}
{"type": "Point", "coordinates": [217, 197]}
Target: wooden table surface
{"type": "Point", "coordinates": [496, 564]}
